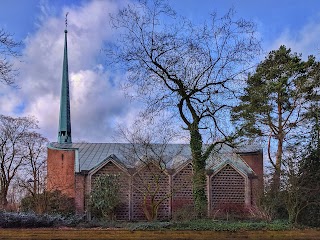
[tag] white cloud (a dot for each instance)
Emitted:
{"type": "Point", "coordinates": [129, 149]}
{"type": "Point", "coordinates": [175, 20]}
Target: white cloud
{"type": "Point", "coordinates": [305, 40]}
{"type": "Point", "coordinates": [9, 100]}
{"type": "Point", "coordinates": [96, 103]}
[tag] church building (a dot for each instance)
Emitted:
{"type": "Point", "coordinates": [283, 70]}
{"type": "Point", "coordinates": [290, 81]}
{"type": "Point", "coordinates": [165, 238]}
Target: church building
{"type": "Point", "coordinates": [234, 176]}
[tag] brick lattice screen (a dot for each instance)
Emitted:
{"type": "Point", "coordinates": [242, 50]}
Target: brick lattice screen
{"type": "Point", "coordinates": [182, 188]}
{"type": "Point", "coordinates": [228, 187]}
{"type": "Point", "coordinates": [122, 212]}
{"type": "Point", "coordinates": [150, 176]}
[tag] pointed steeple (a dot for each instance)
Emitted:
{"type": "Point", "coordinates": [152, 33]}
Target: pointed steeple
{"type": "Point", "coordinates": [64, 134]}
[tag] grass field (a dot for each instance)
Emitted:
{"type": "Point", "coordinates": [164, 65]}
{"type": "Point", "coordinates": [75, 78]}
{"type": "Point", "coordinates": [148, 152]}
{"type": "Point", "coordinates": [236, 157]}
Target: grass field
{"type": "Point", "coordinates": [71, 234]}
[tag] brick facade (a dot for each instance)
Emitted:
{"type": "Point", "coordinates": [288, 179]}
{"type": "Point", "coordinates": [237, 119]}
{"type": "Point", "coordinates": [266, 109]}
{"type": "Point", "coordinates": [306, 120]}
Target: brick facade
{"type": "Point", "coordinates": [80, 193]}
{"type": "Point", "coordinates": [255, 161]}
{"type": "Point", "coordinates": [182, 196]}
{"type": "Point", "coordinates": [61, 171]}
{"type": "Point", "coordinates": [123, 210]}
{"type": "Point", "coordinates": [148, 182]}
{"type": "Point", "coordinates": [226, 185]}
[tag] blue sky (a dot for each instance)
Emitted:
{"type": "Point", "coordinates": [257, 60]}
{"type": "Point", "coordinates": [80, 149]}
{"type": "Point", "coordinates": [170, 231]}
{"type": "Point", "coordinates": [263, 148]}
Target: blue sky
{"type": "Point", "coordinates": [97, 104]}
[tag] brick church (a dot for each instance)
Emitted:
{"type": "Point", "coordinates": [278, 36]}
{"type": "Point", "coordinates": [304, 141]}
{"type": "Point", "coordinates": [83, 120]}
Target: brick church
{"type": "Point", "coordinates": [234, 176]}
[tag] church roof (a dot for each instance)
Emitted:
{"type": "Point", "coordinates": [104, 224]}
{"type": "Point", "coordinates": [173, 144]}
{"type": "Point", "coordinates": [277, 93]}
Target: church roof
{"type": "Point", "coordinates": [91, 155]}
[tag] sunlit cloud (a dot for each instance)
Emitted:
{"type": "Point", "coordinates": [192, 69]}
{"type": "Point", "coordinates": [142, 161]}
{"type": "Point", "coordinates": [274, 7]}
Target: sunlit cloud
{"type": "Point", "coordinates": [305, 40]}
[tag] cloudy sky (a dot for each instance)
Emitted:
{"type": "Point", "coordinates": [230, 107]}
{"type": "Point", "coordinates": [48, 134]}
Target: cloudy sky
{"type": "Point", "coordinates": [98, 104]}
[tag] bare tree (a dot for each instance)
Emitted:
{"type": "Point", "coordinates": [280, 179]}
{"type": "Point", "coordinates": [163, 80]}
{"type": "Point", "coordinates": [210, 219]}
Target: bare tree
{"type": "Point", "coordinates": [189, 70]}
{"type": "Point", "coordinates": [8, 48]}
{"type": "Point", "coordinates": [34, 170]}
{"type": "Point", "coordinates": [14, 133]}
{"type": "Point", "coordinates": [148, 152]}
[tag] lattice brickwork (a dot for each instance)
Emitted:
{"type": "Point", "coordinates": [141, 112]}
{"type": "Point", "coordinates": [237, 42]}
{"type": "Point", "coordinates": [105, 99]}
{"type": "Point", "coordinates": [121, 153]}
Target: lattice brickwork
{"type": "Point", "coordinates": [150, 177]}
{"type": "Point", "coordinates": [182, 188]}
{"type": "Point", "coordinates": [228, 187]}
{"type": "Point", "coordinates": [122, 211]}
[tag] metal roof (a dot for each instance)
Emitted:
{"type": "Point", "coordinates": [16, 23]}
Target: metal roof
{"type": "Point", "coordinates": [91, 155]}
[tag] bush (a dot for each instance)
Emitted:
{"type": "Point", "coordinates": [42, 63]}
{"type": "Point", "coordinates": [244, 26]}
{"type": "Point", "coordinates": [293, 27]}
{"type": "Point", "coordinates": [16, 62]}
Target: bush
{"type": "Point", "coordinates": [49, 202]}
{"type": "Point", "coordinates": [231, 211]}
{"type": "Point", "coordinates": [28, 220]}
{"type": "Point", "coordinates": [310, 216]}
{"type": "Point", "coordinates": [105, 196]}
{"type": "Point", "coordinates": [32, 220]}
{"type": "Point", "coordinates": [183, 210]}
{"type": "Point", "coordinates": [185, 213]}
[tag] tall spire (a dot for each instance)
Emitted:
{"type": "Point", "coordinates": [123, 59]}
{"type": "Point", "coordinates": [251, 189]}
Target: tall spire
{"type": "Point", "coordinates": [64, 134]}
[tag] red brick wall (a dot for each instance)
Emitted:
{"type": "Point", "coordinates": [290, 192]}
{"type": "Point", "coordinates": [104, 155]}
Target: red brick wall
{"type": "Point", "coordinates": [150, 176]}
{"type": "Point", "coordinates": [60, 168]}
{"type": "Point", "coordinates": [122, 212]}
{"type": "Point", "coordinates": [255, 161]}
{"type": "Point", "coordinates": [182, 189]}
{"type": "Point", "coordinates": [80, 194]}
{"type": "Point", "coordinates": [227, 187]}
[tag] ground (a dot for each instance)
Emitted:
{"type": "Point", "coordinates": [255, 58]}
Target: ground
{"type": "Point", "coordinates": [79, 234]}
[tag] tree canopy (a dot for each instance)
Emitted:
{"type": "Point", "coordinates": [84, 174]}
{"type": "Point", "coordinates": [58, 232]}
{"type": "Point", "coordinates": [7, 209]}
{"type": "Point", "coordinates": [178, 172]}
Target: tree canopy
{"type": "Point", "coordinates": [274, 100]}
{"type": "Point", "coordinates": [188, 70]}
{"type": "Point", "coordinates": [14, 134]}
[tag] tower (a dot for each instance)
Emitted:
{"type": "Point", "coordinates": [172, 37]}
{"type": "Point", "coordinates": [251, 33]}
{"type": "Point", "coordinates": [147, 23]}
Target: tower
{"type": "Point", "coordinates": [61, 156]}
{"type": "Point", "coordinates": [64, 132]}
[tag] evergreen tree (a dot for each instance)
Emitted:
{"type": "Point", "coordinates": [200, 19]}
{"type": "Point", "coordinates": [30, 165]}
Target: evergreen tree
{"type": "Point", "coordinates": [310, 188]}
{"type": "Point", "coordinates": [310, 166]}
{"type": "Point", "coordinates": [273, 101]}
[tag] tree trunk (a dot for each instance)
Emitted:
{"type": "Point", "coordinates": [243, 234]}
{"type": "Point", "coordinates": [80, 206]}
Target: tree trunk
{"type": "Point", "coordinates": [199, 175]}
{"type": "Point", "coordinates": [280, 137]}
{"type": "Point", "coordinates": [4, 201]}
{"type": "Point", "coordinates": [277, 171]}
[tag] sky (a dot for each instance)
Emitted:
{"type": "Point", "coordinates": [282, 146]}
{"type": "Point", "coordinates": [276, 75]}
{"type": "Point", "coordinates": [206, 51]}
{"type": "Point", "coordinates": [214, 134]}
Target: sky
{"type": "Point", "coordinates": [98, 104]}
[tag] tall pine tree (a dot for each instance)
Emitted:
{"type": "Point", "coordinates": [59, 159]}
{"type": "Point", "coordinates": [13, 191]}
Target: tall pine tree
{"type": "Point", "coordinates": [272, 102]}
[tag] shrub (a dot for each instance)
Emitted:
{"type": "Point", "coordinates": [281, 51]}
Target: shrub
{"type": "Point", "coordinates": [231, 211]}
{"type": "Point", "coordinates": [28, 220]}
{"type": "Point", "coordinates": [105, 196]}
{"type": "Point", "coordinates": [183, 210]}
{"type": "Point", "coordinates": [32, 220]}
{"type": "Point", "coordinates": [310, 216]}
{"type": "Point", "coordinates": [49, 202]}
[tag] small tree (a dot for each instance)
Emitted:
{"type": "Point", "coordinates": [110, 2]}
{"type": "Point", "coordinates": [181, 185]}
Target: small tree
{"type": "Point", "coordinates": [104, 195]}
{"type": "Point", "coordinates": [148, 140]}
{"type": "Point", "coordinates": [293, 194]}
{"type": "Point", "coordinates": [14, 133]}
{"type": "Point", "coordinates": [34, 171]}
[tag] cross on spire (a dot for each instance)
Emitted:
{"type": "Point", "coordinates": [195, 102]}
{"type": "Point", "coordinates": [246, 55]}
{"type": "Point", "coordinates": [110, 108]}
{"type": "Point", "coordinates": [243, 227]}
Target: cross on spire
{"type": "Point", "coordinates": [66, 21]}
